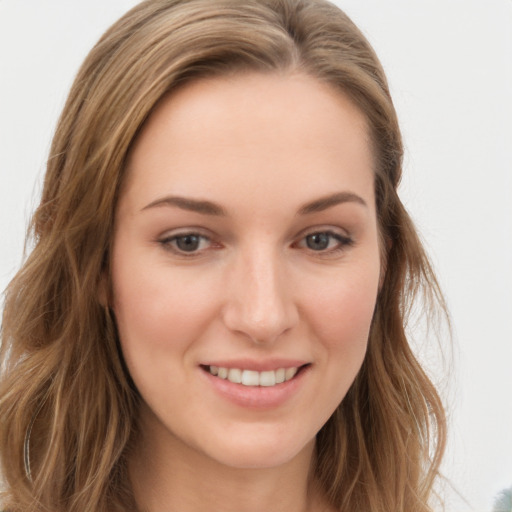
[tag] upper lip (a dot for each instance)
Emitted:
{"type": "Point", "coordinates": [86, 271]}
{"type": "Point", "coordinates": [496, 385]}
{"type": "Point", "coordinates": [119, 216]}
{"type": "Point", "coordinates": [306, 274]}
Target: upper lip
{"type": "Point", "coordinates": [256, 365]}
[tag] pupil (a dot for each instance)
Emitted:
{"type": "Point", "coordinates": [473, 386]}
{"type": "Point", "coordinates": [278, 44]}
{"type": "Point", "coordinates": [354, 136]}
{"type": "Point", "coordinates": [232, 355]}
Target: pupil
{"type": "Point", "coordinates": [188, 243]}
{"type": "Point", "coordinates": [318, 241]}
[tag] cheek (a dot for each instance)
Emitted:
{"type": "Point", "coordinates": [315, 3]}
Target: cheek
{"type": "Point", "coordinates": [342, 311]}
{"type": "Point", "coordinates": [159, 309]}
{"type": "Point", "coordinates": [160, 315]}
{"type": "Point", "coordinates": [340, 316]}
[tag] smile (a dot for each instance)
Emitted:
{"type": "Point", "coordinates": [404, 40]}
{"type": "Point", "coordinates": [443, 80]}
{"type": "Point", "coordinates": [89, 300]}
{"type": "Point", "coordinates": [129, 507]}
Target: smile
{"type": "Point", "coordinates": [253, 378]}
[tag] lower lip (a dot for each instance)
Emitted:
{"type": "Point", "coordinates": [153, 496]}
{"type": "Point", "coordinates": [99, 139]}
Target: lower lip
{"type": "Point", "coordinates": [257, 397]}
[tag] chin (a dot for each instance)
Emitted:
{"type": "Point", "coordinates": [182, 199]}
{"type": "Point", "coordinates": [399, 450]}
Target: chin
{"type": "Point", "coordinates": [256, 452]}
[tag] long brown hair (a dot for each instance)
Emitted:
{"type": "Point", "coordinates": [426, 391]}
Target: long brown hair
{"type": "Point", "coordinates": [67, 405]}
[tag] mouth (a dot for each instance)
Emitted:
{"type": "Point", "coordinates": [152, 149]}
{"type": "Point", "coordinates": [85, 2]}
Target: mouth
{"type": "Point", "coordinates": [252, 378]}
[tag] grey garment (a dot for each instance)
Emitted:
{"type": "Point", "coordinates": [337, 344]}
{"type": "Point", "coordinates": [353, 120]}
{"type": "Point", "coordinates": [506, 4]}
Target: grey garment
{"type": "Point", "coordinates": [503, 501]}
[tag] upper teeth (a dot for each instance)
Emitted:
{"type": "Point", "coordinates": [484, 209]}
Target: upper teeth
{"type": "Point", "coordinates": [253, 378]}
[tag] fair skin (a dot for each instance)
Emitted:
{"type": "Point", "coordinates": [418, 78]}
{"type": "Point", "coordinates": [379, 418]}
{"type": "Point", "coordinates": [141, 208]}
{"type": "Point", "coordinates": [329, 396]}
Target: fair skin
{"type": "Point", "coordinates": [246, 239]}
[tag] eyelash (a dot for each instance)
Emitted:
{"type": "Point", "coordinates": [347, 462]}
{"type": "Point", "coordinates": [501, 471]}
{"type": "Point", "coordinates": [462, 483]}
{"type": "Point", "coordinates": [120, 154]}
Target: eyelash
{"type": "Point", "coordinates": [170, 243]}
{"type": "Point", "coordinates": [342, 242]}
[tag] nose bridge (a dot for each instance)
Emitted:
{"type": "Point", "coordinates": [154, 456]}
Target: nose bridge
{"type": "Point", "coordinates": [259, 302]}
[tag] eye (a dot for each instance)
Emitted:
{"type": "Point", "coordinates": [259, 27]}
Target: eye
{"type": "Point", "coordinates": [186, 243]}
{"type": "Point", "coordinates": [325, 241]}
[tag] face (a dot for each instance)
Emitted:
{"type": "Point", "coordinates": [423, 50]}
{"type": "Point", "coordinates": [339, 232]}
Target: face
{"type": "Point", "coordinates": [245, 265]}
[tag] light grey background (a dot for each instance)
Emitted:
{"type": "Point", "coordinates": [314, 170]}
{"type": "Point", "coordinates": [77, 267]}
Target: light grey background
{"type": "Point", "coordinates": [449, 67]}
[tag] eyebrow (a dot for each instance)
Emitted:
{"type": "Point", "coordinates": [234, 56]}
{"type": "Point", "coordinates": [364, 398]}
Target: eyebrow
{"type": "Point", "coordinates": [323, 203]}
{"type": "Point", "coordinates": [185, 203]}
{"type": "Point", "coordinates": [209, 208]}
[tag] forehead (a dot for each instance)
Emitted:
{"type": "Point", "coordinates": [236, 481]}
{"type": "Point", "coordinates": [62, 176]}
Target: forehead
{"type": "Point", "coordinates": [258, 131]}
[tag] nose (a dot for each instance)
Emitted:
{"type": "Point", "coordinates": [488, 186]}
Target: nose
{"type": "Point", "coordinates": [259, 299]}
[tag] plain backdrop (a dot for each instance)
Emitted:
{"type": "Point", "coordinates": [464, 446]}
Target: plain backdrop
{"type": "Point", "coordinates": [449, 64]}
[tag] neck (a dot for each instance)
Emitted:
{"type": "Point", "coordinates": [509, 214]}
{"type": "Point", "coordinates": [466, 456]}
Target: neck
{"type": "Point", "coordinates": [173, 476]}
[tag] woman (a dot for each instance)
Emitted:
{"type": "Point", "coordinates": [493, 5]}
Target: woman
{"type": "Point", "coordinates": [213, 312]}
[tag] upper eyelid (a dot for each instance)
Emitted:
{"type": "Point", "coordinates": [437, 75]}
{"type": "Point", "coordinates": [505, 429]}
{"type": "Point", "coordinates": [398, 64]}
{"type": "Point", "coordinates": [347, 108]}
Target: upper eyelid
{"type": "Point", "coordinates": [193, 230]}
{"type": "Point", "coordinates": [183, 235]}
{"type": "Point", "coordinates": [325, 229]}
